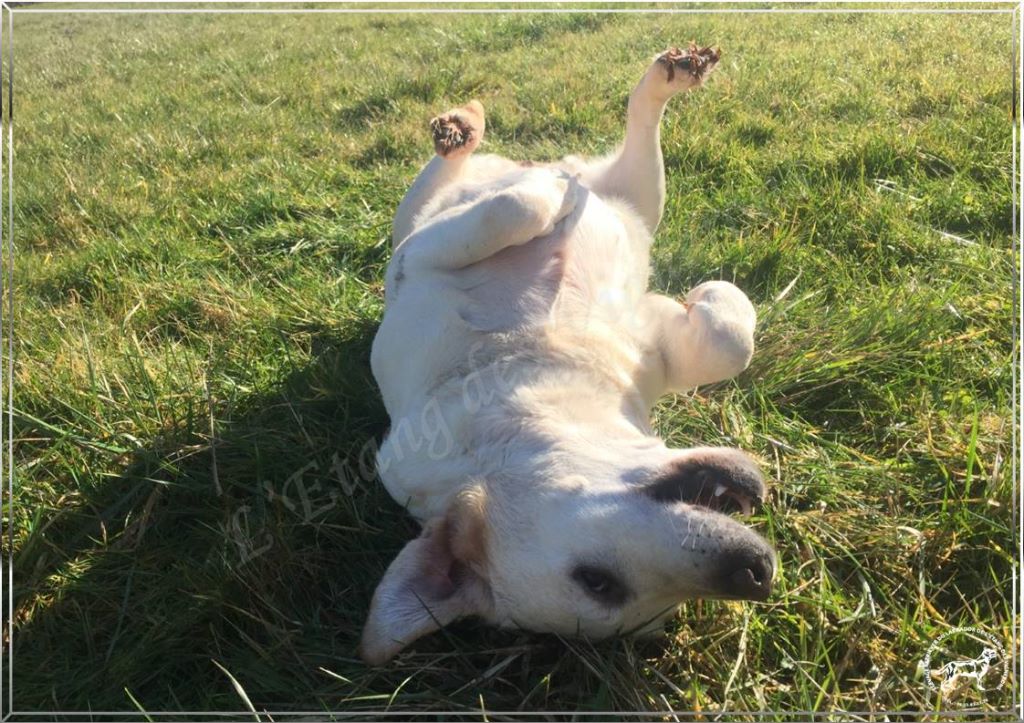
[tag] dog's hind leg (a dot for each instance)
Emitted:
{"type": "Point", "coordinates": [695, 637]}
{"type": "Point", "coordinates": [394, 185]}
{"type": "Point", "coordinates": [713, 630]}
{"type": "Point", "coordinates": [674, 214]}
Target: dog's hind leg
{"type": "Point", "coordinates": [480, 228]}
{"type": "Point", "coordinates": [457, 134]}
{"type": "Point", "coordinates": [636, 171]}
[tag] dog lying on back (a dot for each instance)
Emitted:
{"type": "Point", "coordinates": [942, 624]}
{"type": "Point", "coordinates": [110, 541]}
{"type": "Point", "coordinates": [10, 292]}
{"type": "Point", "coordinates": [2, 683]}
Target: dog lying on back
{"type": "Point", "coordinates": [519, 336]}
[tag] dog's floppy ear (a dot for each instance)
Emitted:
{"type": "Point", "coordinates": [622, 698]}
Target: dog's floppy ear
{"type": "Point", "coordinates": [436, 579]}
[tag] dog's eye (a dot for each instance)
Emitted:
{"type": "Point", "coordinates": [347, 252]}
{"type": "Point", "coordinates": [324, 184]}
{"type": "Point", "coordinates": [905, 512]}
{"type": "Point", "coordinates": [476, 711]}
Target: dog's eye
{"type": "Point", "coordinates": [600, 584]}
{"type": "Point", "coordinates": [596, 582]}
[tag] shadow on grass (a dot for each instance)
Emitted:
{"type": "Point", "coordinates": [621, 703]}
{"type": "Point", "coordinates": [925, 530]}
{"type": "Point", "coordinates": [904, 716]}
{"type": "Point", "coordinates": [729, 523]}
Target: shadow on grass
{"type": "Point", "coordinates": [258, 553]}
{"type": "Point", "coordinates": [252, 551]}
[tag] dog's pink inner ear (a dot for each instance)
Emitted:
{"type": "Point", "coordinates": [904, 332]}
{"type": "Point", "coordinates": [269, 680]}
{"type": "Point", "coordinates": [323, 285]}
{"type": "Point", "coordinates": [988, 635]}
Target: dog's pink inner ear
{"type": "Point", "coordinates": [436, 579]}
{"type": "Point", "coordinates": [443, 567]}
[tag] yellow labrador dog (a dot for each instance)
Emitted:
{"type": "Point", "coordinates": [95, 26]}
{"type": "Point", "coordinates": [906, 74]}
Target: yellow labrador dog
{"type": "Point", "coordinates": [519, 357]}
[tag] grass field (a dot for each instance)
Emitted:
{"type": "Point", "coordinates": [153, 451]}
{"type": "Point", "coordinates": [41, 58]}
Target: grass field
{"type": "Point", "coordinates": [202, 210]}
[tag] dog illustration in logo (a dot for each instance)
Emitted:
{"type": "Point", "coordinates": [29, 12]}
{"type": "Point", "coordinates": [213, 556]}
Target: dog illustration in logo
{"type": "Point", "coordinates": [955, 673]}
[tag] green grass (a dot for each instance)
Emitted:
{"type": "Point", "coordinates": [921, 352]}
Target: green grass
{"type": "Point", "coordinates": [202, 215]}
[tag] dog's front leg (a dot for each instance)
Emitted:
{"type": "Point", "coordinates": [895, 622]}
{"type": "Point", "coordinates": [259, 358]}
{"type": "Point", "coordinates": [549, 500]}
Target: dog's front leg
{"type": "Point", "coordinates": [481, 228]}
{"type": "Point", "coordinates": [707, 338]}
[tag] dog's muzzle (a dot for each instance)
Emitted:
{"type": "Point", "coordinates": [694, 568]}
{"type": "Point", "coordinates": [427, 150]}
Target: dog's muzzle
{"type": "Point", "coordinates": [746, 570]}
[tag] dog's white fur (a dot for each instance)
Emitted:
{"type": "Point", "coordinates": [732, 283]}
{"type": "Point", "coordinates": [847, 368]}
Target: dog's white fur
{"type": "Point", "coordinates": [519, 357]}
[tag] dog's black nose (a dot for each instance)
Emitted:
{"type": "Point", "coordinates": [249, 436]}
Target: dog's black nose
{"type": "Point", "coordinates": [747, 574]}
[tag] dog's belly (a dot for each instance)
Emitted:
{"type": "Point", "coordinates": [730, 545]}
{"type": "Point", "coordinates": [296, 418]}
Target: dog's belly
{"type": "Point", "coordinates": [442, 327]}
{"type": "Point", "coordinates": [516, 289]}
{"type": "Point", "coordinates": [589, 268]}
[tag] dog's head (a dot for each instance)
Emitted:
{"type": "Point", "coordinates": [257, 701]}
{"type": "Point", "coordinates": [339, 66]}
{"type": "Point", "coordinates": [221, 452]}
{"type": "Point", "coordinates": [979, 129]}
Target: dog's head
{"type": "Point", "coordinates": [580, 556]}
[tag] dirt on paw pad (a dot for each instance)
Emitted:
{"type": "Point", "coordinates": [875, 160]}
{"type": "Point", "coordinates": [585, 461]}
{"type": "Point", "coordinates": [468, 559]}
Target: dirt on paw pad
{"type": "Point", "coordinates": [450, 133]}
{"type": "Point", "coordinates": [694, 60]}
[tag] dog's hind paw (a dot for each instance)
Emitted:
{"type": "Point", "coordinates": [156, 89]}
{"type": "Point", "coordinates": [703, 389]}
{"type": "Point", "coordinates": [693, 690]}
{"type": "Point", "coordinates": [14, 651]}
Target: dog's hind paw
{"type": "Point", "coordinates": [459, 131]}
{"type": "Point", "coordinates": [688, 68]}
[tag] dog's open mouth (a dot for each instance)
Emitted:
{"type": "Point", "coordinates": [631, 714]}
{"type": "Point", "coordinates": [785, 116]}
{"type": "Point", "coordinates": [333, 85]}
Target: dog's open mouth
{"type": "Point", "coordinates": [722, 498]}
{"type": "Point", "coordinates": [723, 480]}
